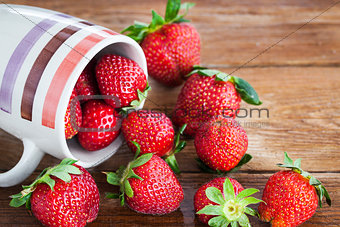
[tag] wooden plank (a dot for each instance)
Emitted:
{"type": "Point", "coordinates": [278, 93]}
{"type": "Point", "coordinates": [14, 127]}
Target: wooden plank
{"type": "Point", "coordinates": [111, 214]}
{"type": "Point", "coordinates": [233, 32]}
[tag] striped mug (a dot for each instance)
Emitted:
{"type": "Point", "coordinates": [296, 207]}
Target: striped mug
{"type": "Point", "coordinates": [43, 52]}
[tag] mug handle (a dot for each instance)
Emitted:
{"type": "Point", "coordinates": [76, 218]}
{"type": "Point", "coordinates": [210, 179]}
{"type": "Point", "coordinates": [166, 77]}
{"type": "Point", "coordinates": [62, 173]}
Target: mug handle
{"type": "Point", "coordinates": [29, 161]}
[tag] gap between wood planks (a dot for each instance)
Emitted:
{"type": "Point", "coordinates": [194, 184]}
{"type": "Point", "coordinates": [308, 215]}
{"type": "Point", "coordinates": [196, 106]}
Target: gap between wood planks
{"type": "Point", "coordinates": [306, 65]}
{"type": "Point", "coordinates": [196, 172]}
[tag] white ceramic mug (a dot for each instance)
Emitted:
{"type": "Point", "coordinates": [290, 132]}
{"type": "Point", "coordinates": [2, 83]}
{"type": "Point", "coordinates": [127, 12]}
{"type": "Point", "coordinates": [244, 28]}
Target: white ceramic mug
{"type": "Point", "coordinates": [42, 54]}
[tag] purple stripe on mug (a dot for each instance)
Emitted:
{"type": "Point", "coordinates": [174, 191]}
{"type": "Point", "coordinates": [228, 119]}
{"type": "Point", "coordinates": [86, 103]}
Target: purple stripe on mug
{"type": "Point", "coordinates": [64, 15]}
{"type": "Point", "coordinates": [16, 61]}
{"type": "Point", "coordinates": [18, 57]}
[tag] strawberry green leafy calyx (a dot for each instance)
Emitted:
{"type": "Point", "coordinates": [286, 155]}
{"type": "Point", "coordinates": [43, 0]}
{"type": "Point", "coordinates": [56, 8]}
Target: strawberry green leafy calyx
{"type": "Point", "coordinates": [246, 91]}
{"type": "Point", "coordinates": [123, 174]}
{"type": "Point", "coordinates": [137, 102]}
{"type": "Point", "coordinates": [296, 167]}
{"type": "Point", "coordinates": [61, 171]}
{"type": "Point", "coordinates": [179, 145]}
{"type": "Point", "coordinates": [65, 195]}
{"type": "Point", "coordinates": [140, 30]}
{"type": "Point", "coordinates": [245, 159]}
{"type": "Point", "coordinates": [231, 209]}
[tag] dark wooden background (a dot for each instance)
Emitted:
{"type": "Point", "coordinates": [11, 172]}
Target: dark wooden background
{"type": "Point", "coordinates": [298, 81]}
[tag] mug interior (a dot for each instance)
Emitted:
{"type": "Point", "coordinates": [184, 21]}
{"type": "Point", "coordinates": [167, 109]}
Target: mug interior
{"type": "Point", "coordinates": [128, 49]}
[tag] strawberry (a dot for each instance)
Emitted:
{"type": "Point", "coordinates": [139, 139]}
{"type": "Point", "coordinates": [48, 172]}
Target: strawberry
{"type": "Point", "coordinates": [171, 46]}
{"type": "Point", "coordinates": [63, 195]}
{"type": "Point", "coordinates": [291, 196]}
{"type": "Point", "coordinates": [147, 185]}
{"type": "Point", "coordinates": [155, 134]}
{"type": "Point", "coordinates": [73, 116]}
{"type": "Point", "coordinates": [86, 84]}
{"type": "Point", "coordinates": [122, 79]}
{"type": "Point", "coordinates": [100, 125]}
{"type": "Point", "coordinates": [152, 130]}
{"type": "Point", "coordinates": [208, 93]}
{"type": "Point", "coordinates": [223, 201]}
{"type": "Point", "coordinates": [221, 143]}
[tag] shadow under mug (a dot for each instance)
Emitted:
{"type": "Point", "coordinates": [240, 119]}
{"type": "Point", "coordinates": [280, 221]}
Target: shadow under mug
{"type": "Point", "coordinates": [43, 52]}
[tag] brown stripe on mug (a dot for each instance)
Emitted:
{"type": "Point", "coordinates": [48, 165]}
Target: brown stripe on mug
{"type": "Point", "coordinates": [86, 23]}
{"type": "Point", "coordinates": [39, 66]}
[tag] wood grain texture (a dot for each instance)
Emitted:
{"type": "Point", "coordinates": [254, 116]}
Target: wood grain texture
{"type": "Point", "coordinates": [232, 32]}
{"type": "Point", "coordinates": [298, 81]}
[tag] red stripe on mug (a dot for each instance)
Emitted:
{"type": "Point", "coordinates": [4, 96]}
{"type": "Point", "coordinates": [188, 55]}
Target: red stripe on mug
{"type": "Point", "coordinates": [60, 78]}
{"type": "Point", "coordinates": [110, 32]}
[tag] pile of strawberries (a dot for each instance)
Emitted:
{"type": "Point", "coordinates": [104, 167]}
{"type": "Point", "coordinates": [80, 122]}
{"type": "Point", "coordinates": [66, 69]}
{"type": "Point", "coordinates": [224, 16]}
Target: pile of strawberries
{"type": "Point", "coordinates": [66, 195]}
{"type": "Point", "coordinates": [113, 84]}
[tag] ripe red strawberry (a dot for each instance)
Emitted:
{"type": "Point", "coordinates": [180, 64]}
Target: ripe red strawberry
{"type": "Point", "coordinates": [152, 130]}
{"type": "Point", "coordinates": [171, 46]}
{"type": "Point", "coordinates": [155, 134]}
{"type": "Point", "coordinates": [223, 201]}
{"type": "Point", "coordinates": [123, 79]}
{"type": "Point", "coordinates": [86, 84]}
{"type": "Point", "coordinates": [72, 120]}
{"type": "Point", "coordinates": [147, 185]}
{"type": "Point", "coordinates": [64, 195]}
{"type": "Point", "coordinates": [291, 196]}
{"type": "Point", "coordinates": [171, 52]}
{"type": "Point", "coordinates": [221, 143]}
{"type": "Point", "coordinates": [100, 125]}
{"type": "Point", "coordinates": [208, 93]}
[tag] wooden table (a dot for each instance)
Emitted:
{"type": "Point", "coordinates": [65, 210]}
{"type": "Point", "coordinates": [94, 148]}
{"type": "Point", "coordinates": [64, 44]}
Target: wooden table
{"type": "Point", "coordinates": [298, 81]}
